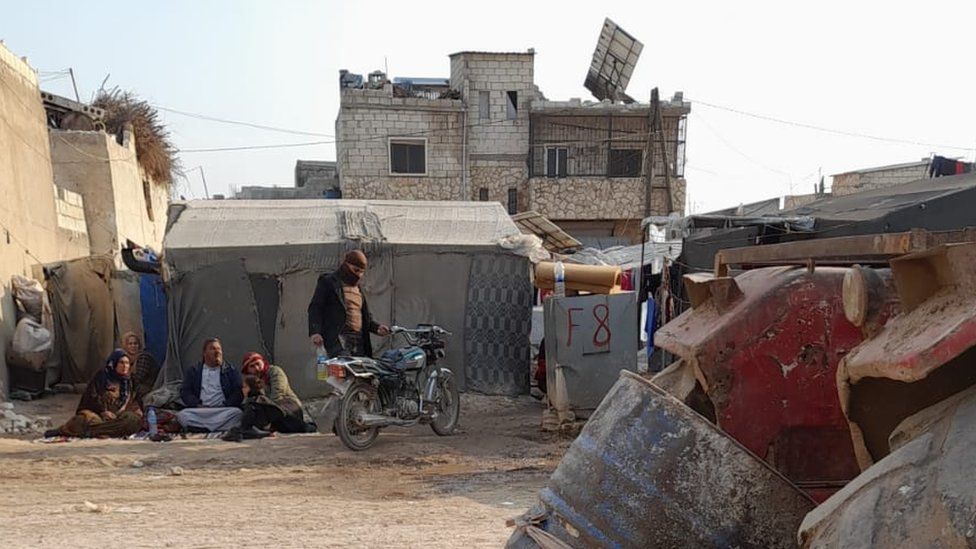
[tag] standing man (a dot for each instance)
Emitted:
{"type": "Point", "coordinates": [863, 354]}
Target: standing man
{"type": "Point", "coordinates": [211, 392]}
{"type": "Point", "coordinates": [338, 317]}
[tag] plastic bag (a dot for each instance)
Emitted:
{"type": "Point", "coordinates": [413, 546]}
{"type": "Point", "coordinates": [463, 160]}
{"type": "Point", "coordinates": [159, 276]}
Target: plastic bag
{"type": "Point", "coordinates": [31, 337]}
{"type": "Point", "coordinates": [526, 245]}
{"type": "Point", "coordinates": [29, 295]}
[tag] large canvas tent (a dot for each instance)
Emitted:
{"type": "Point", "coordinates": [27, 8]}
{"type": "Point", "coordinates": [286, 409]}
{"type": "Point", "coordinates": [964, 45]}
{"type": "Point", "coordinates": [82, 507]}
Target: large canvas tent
{"type": "Point", "coordinates": [245, 270]}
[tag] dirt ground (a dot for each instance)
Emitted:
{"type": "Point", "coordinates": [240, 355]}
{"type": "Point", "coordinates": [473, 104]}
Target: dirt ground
{"type": "Point", "coordinates": [411, 489]}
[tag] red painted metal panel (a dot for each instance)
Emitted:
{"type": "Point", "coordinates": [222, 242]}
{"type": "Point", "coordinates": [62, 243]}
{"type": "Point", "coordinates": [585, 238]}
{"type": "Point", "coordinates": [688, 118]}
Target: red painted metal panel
{"type": "Point", "coordinates": [769, 360]}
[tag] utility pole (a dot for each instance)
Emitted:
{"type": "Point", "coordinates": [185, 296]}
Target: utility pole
{"type": "Point", "coordinates": [649, 153]}
{"type": "Point", "coordinates": [659, 126]}
{"type": "Point", "coordinates": [203, 176]}
{"type": "Point", "coordinates": [73, 84]}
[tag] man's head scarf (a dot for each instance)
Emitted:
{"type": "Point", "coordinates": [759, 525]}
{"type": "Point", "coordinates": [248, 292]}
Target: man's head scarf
{"type": "Point", "coordinates": [355, 258]}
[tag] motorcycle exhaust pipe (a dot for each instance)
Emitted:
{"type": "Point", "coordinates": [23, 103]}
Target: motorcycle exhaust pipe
{"type": "Point", "coordinates": [375, 420]}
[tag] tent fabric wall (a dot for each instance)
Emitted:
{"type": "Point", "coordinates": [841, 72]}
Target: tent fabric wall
{"type": "Point", "coordinates": [93, 305]}
{"type": "Point", "coordinates": [435, 296]}
{"type": "Point", "coordinates": [421, 256]}
{"type": "Point", "coordinates": [498, 321]}
{"type": "Point", "coordinates": [84, 315]}
{"type": "Point", "coordinates": [214, 301]}
{"type": "Point", "coordinates": [128, 304]}
{"type": "Point", "coordinates": [293, 351]}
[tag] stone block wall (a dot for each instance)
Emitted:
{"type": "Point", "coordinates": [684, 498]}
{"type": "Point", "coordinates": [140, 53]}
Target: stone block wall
{"type": "Point", "coordinates": [28, 213]}
{"type": "Point", "coordinates": [120, 202]}
{"type": "Point", "coordinates": [496, 74]}
{"type": "Point", "coordinates": [497, 177]}
{"type": "Point", "coordinates": [369, 118]}
{"type": "Point", "coordinates": [600, 198]}
{"type": "Point", "coordinates": [854, 182]}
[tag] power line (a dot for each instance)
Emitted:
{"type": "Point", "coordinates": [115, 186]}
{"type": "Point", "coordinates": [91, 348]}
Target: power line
{"type": "Point", "coordinates": [829, 130]}
{"type": "Point", "coordinates": [240, 123]}
{"type": "Point", "coordinates": [384, 137]}
{"type": "Point", "coordinates": [255, 147]}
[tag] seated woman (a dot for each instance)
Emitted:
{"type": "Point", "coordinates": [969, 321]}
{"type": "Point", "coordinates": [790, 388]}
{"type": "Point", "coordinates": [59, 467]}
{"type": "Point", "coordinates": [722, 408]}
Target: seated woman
{"type": "Point", "coordinates": [108, 407]}
{"type": "Point", "coordinates": [145, 369]}
{"type": "Point", "coordinates": [280, 409]}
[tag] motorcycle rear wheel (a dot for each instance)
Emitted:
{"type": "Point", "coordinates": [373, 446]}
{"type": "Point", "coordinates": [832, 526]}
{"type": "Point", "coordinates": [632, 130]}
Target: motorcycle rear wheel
{"type": "Point", "coordinates": [359, 397]}
{"type": "Point", "coordinates": [448, 401]}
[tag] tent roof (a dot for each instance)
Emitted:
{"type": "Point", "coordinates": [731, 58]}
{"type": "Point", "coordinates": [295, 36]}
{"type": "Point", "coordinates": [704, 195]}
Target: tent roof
{"type": "Point", "coordinates": [256, 223]}
{"type": "Point", "coordinates": [877, 203]}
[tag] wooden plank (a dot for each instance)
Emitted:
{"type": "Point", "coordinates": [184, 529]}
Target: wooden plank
{"type": "Point", "coordinates": [842, 250]}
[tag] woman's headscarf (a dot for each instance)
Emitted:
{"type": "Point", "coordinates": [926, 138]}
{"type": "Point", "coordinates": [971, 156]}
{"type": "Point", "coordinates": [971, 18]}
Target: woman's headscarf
{"type": "Point", "coordinates": [111, 376]}
{"type": "Point", "coordinates": [125, 344]}
{"type": "Point", "coordinates": [256, 361]}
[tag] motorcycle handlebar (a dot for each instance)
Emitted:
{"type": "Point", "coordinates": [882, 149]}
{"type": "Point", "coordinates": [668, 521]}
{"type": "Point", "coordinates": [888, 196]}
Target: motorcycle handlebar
{"type": "Point", "coordinates": [436, 330]}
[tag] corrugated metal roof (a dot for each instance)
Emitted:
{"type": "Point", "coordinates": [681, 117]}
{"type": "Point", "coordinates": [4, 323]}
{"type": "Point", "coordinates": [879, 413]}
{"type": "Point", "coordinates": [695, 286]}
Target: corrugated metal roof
{"type": "Point", "coordinates": [256, 223]}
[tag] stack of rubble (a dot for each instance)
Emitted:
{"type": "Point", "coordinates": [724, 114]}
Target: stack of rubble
{"type": "Point", "coordinates": [836, 406]}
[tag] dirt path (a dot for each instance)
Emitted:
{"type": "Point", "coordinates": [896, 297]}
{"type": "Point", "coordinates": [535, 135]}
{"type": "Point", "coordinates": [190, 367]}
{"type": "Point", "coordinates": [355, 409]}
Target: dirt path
{"type": "Point", "coordinates": [412, 489]}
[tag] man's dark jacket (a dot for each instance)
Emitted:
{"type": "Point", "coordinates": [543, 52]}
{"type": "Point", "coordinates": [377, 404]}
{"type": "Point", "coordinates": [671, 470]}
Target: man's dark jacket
{"type": "Point", "coordinates": [327, 315]}
{"type": "Point", "coordinates": [230, 382]}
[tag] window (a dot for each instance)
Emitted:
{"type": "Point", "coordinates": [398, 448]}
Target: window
{"type": "Point", "coordinates": [483, 105]}
{"type": "Point", "coordinates": [679, 149]}
{"type": "Point", "coordinates": [147, 194]}
{"type": "Point", "coordinates": [408, 156]}
{"type": "Point", "coordinates": [556, 161]}
{"type": "Point", "coordinates": [512, 104]}
{"type": "Point", "coordinates": [512, 201]}
{"type": "Point", "coordinates": [625, 162]}
{"type": "Point", "coordinates": [483, 194]}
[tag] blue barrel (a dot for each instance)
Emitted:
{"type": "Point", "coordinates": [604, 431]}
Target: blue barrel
{"type": "Point", "coordinates": [647, 471]}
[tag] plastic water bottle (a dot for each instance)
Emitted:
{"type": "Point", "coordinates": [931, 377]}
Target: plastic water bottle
{"type": "Point", "coordinates": [321, 369]}
{"type": "Point", "coordinates": [151, 419]}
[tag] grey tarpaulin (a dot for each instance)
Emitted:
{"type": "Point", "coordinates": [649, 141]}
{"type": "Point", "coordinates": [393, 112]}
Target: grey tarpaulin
{"type": "Point", "coordinates": [421, 266]}
{"type": "Point", "coordinates": [267, 296]}
{"type": "Point", "coordinates": [214, 301]}
{"type": "Point", "coordinates": [450, 279]}
{"type": "Point", "coordinates": [128, 303]}
{"type": "Point", "coordinates": [84, 316]}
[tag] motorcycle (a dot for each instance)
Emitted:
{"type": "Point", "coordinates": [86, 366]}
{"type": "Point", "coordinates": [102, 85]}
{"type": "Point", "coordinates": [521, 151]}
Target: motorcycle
{"type": "Point", "coordinates": [404, 387]}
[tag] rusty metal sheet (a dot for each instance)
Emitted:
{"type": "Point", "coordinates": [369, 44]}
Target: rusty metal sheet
{"type": "Point", "coordinates": [647, 471]}
{"type": "Point", "coordinates": [921, 495]}
{"type": "Point", "coordinates": [922, 356]}
{"type": "Point", "coordinates": [766, 353]}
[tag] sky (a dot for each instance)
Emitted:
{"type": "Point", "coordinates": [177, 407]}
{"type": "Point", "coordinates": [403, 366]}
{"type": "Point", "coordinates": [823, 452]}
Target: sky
{"type": "Point", "coordinates": [901, 74]}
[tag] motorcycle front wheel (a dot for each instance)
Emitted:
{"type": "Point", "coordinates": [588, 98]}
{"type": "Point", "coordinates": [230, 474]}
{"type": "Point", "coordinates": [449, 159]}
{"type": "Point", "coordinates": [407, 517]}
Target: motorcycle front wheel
{"type": "Point", "coordinates": [360, 398]}
{"type": "Point", "coordinates": [448, 402]}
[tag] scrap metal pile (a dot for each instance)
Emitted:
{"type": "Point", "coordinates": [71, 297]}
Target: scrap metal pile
{"type": "Point", "coordinates": [824, 396]}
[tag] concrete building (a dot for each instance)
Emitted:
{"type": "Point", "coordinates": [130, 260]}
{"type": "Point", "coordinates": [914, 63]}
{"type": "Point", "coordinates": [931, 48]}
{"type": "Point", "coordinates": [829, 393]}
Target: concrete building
{"type": "Point", "coordinates": [120, 201]}
{"type": "Point", "coordinates": [491, 135]}
{"type": "Point", "coordinates": [879, 178]}
{"type": "Point", "coordinates": [39, 222]}
{"type": "Point", "coordinates": [313, 179]}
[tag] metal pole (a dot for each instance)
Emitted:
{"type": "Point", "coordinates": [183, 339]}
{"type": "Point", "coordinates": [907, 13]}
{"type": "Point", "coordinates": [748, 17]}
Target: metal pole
{"type": "Point", "coordinates": [73, 84]}
{"type": "Point", "coordinates": [206, 192]}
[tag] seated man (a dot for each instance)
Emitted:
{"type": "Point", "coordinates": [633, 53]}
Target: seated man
{"type": "Point", "coordinates": [211, 392]}
{"type": "Point", "coordinates": [109, 407]}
